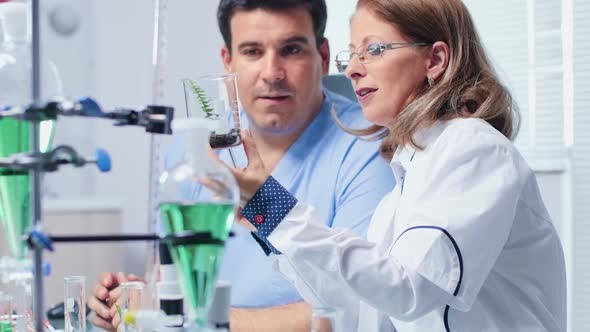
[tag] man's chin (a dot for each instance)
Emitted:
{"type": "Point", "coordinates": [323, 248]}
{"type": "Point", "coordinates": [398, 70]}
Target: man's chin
{"type": "Point", "coordinates": [273, 126]}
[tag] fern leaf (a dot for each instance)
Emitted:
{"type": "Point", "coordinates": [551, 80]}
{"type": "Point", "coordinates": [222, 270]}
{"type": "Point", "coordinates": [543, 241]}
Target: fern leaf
{"type": "Point", "coordinates": [204, 100]}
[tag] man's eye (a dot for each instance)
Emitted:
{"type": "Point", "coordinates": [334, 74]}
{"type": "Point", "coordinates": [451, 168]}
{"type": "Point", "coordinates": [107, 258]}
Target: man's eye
{"type": "Point", "coordinates": [251, 52]}
{"type": "Point", "coordinates": [291, 49]}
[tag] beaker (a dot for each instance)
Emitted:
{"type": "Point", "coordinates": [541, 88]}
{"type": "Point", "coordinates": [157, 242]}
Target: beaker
{"type": "Point", "coordinates": [6, 307]}
{"type": "Point", "coordinates": [75, 304]}
{"type": "Point", "coordinates": [215, 97]}
{"type": "Point", "coordinates": [131, 300]}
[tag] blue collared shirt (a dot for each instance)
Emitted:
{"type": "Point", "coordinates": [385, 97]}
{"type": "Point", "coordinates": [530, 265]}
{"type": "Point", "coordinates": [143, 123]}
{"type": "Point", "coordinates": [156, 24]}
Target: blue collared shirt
{"type": "Point", "coordinates": [343, 177]}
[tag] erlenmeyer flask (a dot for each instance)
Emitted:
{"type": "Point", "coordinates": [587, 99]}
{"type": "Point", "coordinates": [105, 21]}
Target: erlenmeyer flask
{"type": "Point", "coordinates": [199, 197]}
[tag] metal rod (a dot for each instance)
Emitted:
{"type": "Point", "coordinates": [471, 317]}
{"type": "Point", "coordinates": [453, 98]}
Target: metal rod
{"type": "Point", "coordinates": [233, 159]}
{"type": "Point", "coordinates": [9, 172]}
{"type": "Point", "coordinates": [113, 237]}
{"type": "Point", "coordinates": [105, 238]}
{"type": "Point", "coordinates": [158, 64]}
{"type": "Point", "coordinates": [36, 54]}
{"type": "Point", "coordinates": [35, 199]}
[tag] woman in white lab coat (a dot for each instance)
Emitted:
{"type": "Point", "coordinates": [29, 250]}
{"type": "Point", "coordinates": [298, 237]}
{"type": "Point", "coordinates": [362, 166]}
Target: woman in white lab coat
{"type": "Point", "coordinates": [464, 242]}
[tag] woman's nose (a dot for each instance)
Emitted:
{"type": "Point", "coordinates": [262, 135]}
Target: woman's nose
{"type": "Point", "coordinates": [355, 69]}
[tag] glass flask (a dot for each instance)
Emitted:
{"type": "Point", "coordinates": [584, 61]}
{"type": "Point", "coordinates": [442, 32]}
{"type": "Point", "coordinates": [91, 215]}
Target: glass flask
{"type": "Point", "coordinates": [215, 97]}
{"type": "Point", "coordinates": [15, 87]}
{"type": "Point", "coordinates": [198, 201]}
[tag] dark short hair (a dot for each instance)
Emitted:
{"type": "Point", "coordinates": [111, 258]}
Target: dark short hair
{"type": "Point", "coordinates": [227, 8]}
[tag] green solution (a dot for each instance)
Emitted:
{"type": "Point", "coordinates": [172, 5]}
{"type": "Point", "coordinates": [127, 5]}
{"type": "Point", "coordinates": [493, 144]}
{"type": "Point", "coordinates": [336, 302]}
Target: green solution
{"type": "Point", "coordinates": [5, 327]}
{"type": "Point", "coordinates": [198, 263]}
{"type": "Point", "coordinates": [15, 214]}
{"type": "Point", "coordinates": [14, 189]}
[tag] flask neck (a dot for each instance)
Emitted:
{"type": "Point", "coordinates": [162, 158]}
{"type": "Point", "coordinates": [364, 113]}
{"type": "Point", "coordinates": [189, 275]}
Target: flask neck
{"type": "Point", "coordinates": [15, 24]}
{"type": "Point", "coordinates": [197, 145]}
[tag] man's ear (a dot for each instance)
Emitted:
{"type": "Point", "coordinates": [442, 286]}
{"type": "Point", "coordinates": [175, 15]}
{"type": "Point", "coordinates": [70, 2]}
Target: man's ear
{"type": "Point", "coordinates": [438, 59]}
{"type": "Point", "coordinates": [226, 58]}
{"type": "Point", "coordinates": [325, 55]}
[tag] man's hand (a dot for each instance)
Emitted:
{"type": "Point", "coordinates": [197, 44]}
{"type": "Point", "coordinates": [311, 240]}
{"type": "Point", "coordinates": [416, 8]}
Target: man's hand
{"type": "Point", "coordinates": [254, 175]}
{"type": "Point", "coordinates": [250, 179]}
{"type": "Point", "coordinates": [106, 293]}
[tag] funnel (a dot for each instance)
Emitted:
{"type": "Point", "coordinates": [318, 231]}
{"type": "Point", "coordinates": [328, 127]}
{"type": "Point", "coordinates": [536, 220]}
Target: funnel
{"type": "Point", "coordinates": [196, 237]}
{"type": "Point", "coordinates": [15, 189]}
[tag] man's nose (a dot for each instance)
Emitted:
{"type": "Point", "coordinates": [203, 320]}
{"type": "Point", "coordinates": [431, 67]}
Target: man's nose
{"type": "Point", "coordinates": [273, 69]}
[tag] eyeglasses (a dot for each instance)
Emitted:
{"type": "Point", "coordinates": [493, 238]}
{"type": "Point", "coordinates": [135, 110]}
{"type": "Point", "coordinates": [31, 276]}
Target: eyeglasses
{"type": "Point", "coordinates": [371, 53]}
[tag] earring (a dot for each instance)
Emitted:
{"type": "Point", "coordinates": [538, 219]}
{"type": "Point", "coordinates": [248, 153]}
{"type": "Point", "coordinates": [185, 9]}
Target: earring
{"type": "Point", "coordinates": [430, 81]}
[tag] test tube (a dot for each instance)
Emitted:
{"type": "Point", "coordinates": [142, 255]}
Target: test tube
{"type": "Point", "coordinates": [131, 300]}
{"type": "Point", "coordinates": [6, 308]}
{"type": "Point", "coordinates": [75, 304]}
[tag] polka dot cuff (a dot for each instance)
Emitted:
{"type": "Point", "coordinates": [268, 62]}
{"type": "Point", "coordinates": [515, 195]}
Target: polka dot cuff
{"type": "Point", "coordinates": [267, 208]}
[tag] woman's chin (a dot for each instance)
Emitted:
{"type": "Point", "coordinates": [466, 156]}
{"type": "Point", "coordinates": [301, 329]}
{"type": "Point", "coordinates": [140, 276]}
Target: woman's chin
{"type": "Point", "coordinates": [374, 116]}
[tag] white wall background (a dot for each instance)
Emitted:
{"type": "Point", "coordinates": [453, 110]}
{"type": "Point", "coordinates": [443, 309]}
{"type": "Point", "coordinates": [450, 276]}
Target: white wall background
{"type": "Point", "coordinates": [337, 29]}
{"type": "Point", "coordinates": [110, 58]}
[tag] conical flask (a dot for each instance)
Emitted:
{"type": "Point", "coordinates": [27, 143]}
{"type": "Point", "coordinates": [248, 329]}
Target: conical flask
{"type": "Point", "coordinates": [199, 196]}
{"type": "Point", "coordinates": [15, 73]}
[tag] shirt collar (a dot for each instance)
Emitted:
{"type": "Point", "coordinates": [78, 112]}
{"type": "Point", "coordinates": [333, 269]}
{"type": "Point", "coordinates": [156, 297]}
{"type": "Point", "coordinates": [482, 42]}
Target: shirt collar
{"type": "Point", "coordinates": [423, 137]}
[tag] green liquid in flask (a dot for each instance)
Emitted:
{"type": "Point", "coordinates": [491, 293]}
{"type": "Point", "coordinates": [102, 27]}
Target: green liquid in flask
{"type": "Point", "coordinates": [198, 263]}
{"type": "Point", "coordinates": [15, 213]}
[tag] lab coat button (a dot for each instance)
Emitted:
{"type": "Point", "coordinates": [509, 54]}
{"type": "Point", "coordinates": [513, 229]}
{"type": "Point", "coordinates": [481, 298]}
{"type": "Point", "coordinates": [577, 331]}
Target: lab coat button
{"type": "Point", "coordinates": [259, 219]}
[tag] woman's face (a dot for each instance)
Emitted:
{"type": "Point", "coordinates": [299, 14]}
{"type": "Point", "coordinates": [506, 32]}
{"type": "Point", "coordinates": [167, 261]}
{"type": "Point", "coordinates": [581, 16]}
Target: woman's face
{"type": "Point", "coordinates": [387, 83]}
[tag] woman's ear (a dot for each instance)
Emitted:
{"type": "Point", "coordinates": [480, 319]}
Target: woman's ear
{"type": "Point", "coordinates": [438, 60]}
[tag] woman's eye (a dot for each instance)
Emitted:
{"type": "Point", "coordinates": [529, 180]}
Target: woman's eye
{"type": "Point", "coordinates": [374, 49]}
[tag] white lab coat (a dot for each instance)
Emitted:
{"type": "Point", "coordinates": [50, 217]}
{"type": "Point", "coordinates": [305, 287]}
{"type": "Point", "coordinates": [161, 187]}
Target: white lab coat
{"type": "Point", "coordinates": [463, 243]}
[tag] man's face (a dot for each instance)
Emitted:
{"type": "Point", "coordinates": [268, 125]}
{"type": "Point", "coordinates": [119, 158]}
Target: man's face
{"type": "Point", "coordinates": [279, 68]}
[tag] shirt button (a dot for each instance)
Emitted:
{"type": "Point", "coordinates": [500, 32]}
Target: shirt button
{"type": "Point", "coordinates": [259, 219]}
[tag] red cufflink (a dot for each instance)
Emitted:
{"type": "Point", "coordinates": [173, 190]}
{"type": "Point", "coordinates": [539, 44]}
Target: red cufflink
{"type": "Point", "coordinates": [259, 219]}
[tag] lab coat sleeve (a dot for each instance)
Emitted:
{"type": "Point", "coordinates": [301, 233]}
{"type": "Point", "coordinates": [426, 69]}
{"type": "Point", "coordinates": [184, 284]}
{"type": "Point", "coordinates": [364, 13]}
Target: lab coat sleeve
{"type": "Point", "coordinates": [470, 192]}
{"type": "Point", "coordinates": [337, 268]}
{"type": "Point", "coordinates": [460, 216]}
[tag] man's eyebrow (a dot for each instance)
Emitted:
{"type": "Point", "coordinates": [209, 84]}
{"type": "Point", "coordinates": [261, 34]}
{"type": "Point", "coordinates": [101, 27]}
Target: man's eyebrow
{"type": "Point", "coordinates": [248, 44]}
{"type": "Point", "coordinates": [296, 39]}
{"type": "Point", "coordinates": [290, 40]}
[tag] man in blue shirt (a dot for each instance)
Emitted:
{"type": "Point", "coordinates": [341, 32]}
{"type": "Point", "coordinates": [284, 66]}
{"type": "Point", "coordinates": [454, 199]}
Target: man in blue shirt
{"type": "Point", "coordinates": [278, 50]}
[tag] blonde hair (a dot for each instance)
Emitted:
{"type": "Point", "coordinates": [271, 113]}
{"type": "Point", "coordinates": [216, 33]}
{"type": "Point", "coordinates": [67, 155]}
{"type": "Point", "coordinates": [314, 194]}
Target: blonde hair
{"type": "Point", "coordinates": [469, 87]}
